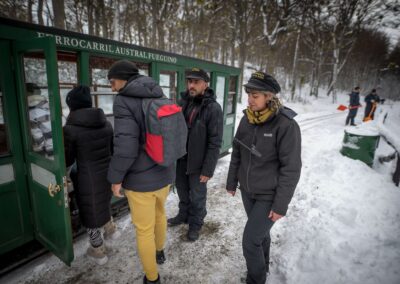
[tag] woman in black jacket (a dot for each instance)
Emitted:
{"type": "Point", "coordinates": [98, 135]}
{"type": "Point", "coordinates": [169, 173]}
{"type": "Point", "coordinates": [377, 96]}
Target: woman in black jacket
{"type": "Point", "coordinates": [88, 142]}
{"type": "Point", "coordinates": [266, 162]}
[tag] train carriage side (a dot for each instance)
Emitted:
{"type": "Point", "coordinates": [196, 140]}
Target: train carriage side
{"type": "Point", "coordinates": [38, 66]}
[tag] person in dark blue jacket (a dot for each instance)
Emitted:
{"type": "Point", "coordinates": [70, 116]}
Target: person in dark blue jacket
{"type": "Point", "coordinates": [353, 106]}
{"type": "Point", "coordinates": [371, 101]}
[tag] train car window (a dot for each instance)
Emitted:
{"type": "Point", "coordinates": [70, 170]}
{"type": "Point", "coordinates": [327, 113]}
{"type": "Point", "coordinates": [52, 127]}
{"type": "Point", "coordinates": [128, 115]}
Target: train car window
{"type": "Point", "coordinates": [68, 78]}
{"type": "Point", "coordinates": [230, 106]}
{"type": "Point", "coordinates": [169, 83]}
{"type": "Point", "coordinates": [220, 90]}
{"type": "Point", "coordinates": [103, 97]}
{"type": "Point", "coordinates": [4, 146]}
{"type": "Point", "coordinates": [37, 98]}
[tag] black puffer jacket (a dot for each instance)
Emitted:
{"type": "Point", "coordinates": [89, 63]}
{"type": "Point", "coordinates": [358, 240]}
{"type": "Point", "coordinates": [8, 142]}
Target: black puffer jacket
{"type": "Point", "coordinates": [130, 163]}
{"type": "Point", "coordinates": [205, 126]}
{"type": "Point", "coordinates": [275, 174]}
{"type": "Point", "coordinates": [88, 141]}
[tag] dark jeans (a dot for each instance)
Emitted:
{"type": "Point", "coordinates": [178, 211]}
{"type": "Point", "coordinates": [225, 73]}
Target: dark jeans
{"type": "Point", "coordinates": [192, 196]}
{"type": "Point", "coordinates": [256, 238]}
{"type": "Point", "coordinates": [350, 117]}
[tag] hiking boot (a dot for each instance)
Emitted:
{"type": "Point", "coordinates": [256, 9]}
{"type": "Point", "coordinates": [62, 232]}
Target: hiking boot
{"type": "Point", "coordinates": [193, 234]}
{"type": "Point", "coordinates": [157, 281]}
{"type": "Point", "coordinates": [160, 257]}
{"type": "Point", "coordinates": [98, 254]}
{"type": "Point", "coordinates": [177, 220]}
{"type": "Point", "coordinates": [111, 231]}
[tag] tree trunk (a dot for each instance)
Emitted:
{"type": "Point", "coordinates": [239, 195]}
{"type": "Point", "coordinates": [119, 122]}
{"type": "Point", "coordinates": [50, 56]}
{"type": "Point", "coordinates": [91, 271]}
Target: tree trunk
{"type": "Point", "coordinates": [30, 3]}
{"type": "Point", "coordinates": [59, 13]}
{"type": "Point", "coordinates": [89, 4]}
{"type": "Point", "coordinates": [115, 21]}
{"type": "Point", "coordinates": [296, 53]}
{"type": "Point", "coordinates": [40, 12]}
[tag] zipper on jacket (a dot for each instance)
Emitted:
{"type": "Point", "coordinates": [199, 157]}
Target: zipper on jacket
{"type": "Point", "coordinates": [248, 167]}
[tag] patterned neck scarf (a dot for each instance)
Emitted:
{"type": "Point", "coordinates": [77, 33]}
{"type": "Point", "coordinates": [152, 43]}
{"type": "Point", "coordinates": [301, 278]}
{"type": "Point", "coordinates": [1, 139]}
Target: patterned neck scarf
{"type": "Point", "coordinates": [259, 117]}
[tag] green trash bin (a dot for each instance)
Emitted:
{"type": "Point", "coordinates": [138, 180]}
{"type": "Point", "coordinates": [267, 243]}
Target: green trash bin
{"type": "Point", "coordinates": [360, 146]}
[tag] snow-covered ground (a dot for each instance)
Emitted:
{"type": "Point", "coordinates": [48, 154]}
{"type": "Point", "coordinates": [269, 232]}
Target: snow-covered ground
{"type": "Point", "coordinates": [343, 224]}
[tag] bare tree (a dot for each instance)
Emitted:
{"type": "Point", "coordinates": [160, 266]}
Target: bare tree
{"type": "Point", "coordinates": [40, 12]}
{"type": "Point", "coordinates": [59, 13]}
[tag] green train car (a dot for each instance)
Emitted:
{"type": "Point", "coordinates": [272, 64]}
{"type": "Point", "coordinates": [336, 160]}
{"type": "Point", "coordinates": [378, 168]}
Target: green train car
{"type": "Point", "coordinates": [38, 66]}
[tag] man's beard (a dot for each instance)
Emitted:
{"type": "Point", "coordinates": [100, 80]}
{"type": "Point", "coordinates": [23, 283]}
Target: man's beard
{"type": "Point", "coordinates": [193, 93]}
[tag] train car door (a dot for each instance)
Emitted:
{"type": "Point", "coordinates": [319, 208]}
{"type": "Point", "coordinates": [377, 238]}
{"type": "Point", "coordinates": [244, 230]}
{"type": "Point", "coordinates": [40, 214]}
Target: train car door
{"type": "Point", "coordinates": [16, 227]}
{"type": "Point", "coordinates": [41, 114]}
{"type": "Point", "coordinates": [220, 83]}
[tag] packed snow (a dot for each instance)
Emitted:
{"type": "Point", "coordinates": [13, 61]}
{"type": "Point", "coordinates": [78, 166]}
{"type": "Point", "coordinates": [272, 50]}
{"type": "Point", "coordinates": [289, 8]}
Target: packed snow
{"type": "Point", "coordinates": [342, 225]}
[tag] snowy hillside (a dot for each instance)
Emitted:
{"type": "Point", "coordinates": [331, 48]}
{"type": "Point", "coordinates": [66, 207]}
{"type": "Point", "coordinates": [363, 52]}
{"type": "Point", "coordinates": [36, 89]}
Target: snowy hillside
{"type": "Point", "coordinates": [342, 225]}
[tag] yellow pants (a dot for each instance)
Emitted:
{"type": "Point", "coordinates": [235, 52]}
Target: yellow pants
{"type": "Point", "coordinates": [149, 219]}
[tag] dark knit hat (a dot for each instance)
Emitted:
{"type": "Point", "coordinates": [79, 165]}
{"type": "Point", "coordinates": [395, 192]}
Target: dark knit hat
{"type": "Point", "coordinates": [79, 97]}
{"type": "Point", "coordinates": [199, 74]}
{"type": "Point", "coordinates": [261, 81]}
{"type": "Point", "coordinates": [123, 70]}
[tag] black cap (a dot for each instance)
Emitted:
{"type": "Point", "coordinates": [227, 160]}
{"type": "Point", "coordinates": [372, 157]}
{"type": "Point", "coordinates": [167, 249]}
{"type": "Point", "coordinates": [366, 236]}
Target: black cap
{"type": "Point", "coordinates": [79, 97]}
{"type": "Point", "coordinates": [123, 70]}
{"type": "Point", "coordinates": [261, 81]}
{"type": "Point", "coordinates": [199, 74]}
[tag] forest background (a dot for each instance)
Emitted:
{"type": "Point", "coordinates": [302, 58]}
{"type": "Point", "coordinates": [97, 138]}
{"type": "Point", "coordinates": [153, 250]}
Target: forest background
{"type": "Point", "coordinates": [320, 46]}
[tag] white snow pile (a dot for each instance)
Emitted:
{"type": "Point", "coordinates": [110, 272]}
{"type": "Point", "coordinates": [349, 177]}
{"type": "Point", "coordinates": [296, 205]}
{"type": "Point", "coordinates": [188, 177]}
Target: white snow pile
{"type": "Point", "coordinates": [342, 225]}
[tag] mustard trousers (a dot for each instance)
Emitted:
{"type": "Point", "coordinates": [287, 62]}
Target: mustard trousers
{"type": "Point", "coordinates": [149, 219]}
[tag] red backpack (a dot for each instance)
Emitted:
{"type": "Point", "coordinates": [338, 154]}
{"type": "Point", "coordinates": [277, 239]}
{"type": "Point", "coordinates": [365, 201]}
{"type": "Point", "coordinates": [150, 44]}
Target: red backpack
{"type": "Point", "coordinates": [166, 130]}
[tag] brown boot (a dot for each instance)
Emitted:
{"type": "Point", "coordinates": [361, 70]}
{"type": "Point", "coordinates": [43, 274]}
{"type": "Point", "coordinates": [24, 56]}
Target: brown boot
{"type": "Point", "coordinates": [111, 231]}
{"type": "Point", "coordinates": [98, 255]}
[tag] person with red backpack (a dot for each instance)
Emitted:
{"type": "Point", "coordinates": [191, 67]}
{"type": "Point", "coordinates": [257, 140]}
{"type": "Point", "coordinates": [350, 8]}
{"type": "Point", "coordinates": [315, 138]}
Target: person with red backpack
{"type": "Point", "coordinates": [204, 121]}
{"type": "Point", "coordinates": [132, 172]}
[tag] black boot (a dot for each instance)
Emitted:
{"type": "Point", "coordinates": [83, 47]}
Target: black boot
{"type": "Point", "coordinates": [193, 234]}
{"type": "Point", "coordinates": [177, 220]}
{"type": "Point", "coordinates": [160, 257]}
{"type": "Point", "coordinates": [157, 281]}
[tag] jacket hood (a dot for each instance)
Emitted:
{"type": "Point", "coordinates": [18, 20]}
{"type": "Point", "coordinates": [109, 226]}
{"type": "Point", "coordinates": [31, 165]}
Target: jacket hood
{"type": "Point", "coordinates": [142, 87]}
{"type": "Point", "coordinates": [288, 112]}
{"type": "Point", "coordinates": [87, 117]}
{"type": "Point", "coordinates": [208, 95]}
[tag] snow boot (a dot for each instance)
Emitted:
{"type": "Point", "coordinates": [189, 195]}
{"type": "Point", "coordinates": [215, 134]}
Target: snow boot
{"type": "Point", "coordinates": [98, 255]}
{"type": "Point", "coordinates": [177, 220]}
{"type": "Point", "coordinates": [111, 231]}
{"type": "Point", "coordinates": [160, 257]}
{"type": "Point", "coordinates": [193, 234]}
{"type": "Point", "coordinates": [146, 281]}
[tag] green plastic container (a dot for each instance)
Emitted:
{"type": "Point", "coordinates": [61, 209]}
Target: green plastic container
{"type": "Point", "coordinates": [360, 147]}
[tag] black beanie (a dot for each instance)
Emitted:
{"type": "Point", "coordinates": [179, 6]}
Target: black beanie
{"type": "Point", "coordinates": [79, 97]}
{"type": "Point", "coordinates": [261, 81]}
{"type": "Point", "coordinates": [123, 70]}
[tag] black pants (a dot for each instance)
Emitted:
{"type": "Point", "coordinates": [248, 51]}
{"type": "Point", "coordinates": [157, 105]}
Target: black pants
{"type": "Point", "coordinates": [350, 117]}
{"type": "Point", "coordinates": [192, 196]}
{"type": "Point", "coordinates": [256, 238]}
